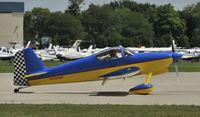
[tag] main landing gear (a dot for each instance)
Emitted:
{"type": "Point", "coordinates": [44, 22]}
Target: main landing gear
{"type": "Point", "coordinates": [143, 89]}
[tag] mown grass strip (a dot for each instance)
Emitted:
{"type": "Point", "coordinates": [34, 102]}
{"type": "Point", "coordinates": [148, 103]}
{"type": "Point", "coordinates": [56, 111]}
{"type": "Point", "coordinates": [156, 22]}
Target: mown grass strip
{"type": "Point", "coordinates": [68, 110]}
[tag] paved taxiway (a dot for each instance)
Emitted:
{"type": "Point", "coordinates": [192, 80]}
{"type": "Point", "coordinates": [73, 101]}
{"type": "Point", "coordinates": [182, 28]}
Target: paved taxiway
{"type": "Point", "coordinates": [168, 90]}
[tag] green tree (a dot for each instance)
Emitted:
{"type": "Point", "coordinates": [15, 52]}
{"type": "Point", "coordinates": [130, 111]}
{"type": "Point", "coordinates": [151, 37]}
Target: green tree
{"type": "Point", "coordinates": [28, 27]}
{"type": "Point", "coordinates": [134, 26]}
{"type": "Point", "coordinates": [65, 27]}
{"type": "Point", "coordinates": [101, 41]}
{"type": "Point", "coordinates": [74, 7]}
{"type": "Point", "coordinates": [101, 22]}
{"type": "Point", "coordinates": [191, 15]}
{"type": "Point", "coordinates": [149, 11]}
{"type": "Point", "coordinates": [40, 21]}
{"type": "Point", "coordinates": [168, 21]}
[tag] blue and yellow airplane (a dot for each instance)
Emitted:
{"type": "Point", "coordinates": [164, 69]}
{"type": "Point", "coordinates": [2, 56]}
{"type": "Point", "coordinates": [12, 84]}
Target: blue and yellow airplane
{"type": "Point", "coordinates": [112, 63]}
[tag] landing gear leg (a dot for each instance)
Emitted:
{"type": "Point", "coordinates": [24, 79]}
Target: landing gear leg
{"type": "Point", "coordinates": [143, 89]}
{"type": "Point", "coordinates": [148, 78]}
{"type": "Point", "coordinates": [104, 80]}
{"type": "Point", "coordinates": [16, 90]}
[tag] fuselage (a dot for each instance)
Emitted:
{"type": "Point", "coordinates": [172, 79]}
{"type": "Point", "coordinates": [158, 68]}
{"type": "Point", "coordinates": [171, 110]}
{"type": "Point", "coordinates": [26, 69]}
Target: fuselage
{"type": "Point", "coordinates": [92, 68]}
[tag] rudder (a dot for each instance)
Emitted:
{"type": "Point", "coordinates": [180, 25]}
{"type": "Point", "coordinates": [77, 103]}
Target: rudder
{"type": "Point", "coordinates": [20, 70]}
{"type": "Point", "coordinates": [25, 62]}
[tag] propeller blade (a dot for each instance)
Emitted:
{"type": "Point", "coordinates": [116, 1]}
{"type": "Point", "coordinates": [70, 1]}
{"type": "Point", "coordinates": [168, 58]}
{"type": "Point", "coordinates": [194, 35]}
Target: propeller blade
{"type": "Point", "coordinates": [173, 46]}
{"type": "Point", "coordinates": [175, 62]}
{"type": "Point", "coordinates": [176, 69]}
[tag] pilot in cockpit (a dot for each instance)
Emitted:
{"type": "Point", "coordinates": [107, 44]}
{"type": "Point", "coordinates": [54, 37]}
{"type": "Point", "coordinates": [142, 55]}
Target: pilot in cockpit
{"type": "Point", "coordinates": [113, 54]}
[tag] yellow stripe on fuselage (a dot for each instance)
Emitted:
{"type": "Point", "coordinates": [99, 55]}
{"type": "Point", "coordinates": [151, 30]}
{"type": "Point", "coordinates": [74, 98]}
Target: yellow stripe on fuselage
{"type": "Point", "coordinates": [145, 67]}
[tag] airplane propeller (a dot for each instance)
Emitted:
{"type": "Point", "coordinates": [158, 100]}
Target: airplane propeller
{"type": "Point", "coordinates": [175, 61]}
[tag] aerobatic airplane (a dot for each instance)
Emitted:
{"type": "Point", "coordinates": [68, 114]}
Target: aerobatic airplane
{"type": "Point", "coordinates": [112, 63]}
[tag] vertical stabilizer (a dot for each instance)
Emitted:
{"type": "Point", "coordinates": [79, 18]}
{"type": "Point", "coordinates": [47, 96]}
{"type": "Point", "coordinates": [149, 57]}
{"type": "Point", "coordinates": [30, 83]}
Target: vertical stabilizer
{"type": "Point", "coordinates": [32, 62]}
{"type": "Point", "coordinates": [89, 51]}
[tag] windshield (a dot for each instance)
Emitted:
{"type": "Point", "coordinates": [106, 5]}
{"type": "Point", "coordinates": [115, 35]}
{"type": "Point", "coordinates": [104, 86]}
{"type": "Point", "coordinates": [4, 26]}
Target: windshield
{"type": "Point", "coordinates": [109, 54]}
{"type": "Point", "coordinates": [114, 53]}
{"type": "Point", "coordinates": [128, 52]}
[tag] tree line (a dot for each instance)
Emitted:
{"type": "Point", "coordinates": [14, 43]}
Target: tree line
{"type": "Point", "coordinates": [125, 23]}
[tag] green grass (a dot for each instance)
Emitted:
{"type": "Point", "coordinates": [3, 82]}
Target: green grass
{"type": "Point", "coordinates": [186, 67]}
{"type": "Point", "coordinates": [68, 110]}
{"type": "Point", "coordinates": [6, 67]}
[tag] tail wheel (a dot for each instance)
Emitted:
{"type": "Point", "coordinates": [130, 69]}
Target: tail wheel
{"type": "Point", "coordinates": [16, 90]}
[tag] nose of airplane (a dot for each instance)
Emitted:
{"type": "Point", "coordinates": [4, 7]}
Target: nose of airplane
{"type": "Point", "coordinates": [176, 56]}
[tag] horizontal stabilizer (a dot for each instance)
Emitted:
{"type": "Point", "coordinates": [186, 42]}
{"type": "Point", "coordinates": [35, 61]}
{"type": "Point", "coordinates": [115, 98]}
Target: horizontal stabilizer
{"type": "Point", "coordinates": [35, 74]}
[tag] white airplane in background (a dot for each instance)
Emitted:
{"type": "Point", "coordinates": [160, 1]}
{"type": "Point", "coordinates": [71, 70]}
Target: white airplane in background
{"type": "Point", "coordinates": [62, 51]}
{"type": "Point", "coordinates": [15, 47]}
{"type": "Point", "coordinates": [5, 54]}
{"type": "Point", "coordinates": [46, 54]}
{"type": "Point", "coordinates": [52, 51]}
{"type": "Point", "coordinates": [96, 50]}
{"type": "Point", "coordinates": [74, 54]}
{"type": "Point", "coordinates": [189, 54]}
{"type": "Point", "coordinates": [8, 53]}
{"type": "Point", "coordinates": [144, 49]}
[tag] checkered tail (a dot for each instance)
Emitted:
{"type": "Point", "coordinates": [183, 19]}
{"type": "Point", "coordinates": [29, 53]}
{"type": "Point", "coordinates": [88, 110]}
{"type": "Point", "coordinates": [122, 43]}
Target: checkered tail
{"type": "Point", "coordinates": [20, 70]}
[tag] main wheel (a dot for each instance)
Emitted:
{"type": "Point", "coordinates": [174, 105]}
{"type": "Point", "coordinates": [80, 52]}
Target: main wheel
{"type": "Point", "coordinates": [16, 90]}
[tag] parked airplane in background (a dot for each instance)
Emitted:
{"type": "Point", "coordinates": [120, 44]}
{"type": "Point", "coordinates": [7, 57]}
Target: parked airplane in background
{"type": "Point", "coordinates": [62, 51]}
{"type": "Point", "coordinates": [187, 54]}
{"type": "Point", "coordinates": [9, 53]}
{"type": "Point", "coordinates": [51, 52]}
{"type": "Point", "coordinates": [190, 54]}
{"type": "Point", "coordinates": [112, 63]}
{"type": "Point", "coordinates": [74, 54]}
{"type": "Point", "coordinates": [144, 49]}
{"type": "Point", "coordinates": [6, 54]}
{"type": "Point", "coordinates": [46, 54]}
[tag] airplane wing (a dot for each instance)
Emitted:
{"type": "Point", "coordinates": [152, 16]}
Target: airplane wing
{"type": "Point", "coordinates": [187, 57]}
{"type": "Point", "coordinates": [122, 73]}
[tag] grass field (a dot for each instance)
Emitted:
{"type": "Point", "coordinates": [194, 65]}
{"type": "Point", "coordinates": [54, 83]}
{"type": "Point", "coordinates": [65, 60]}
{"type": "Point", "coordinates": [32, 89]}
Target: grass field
{"type": "Point", "coordinates": [67, 110]}
{"type": "Point", "coordinates": [6, 67]}
{"type": "Point", "coordinates": [186, 67]}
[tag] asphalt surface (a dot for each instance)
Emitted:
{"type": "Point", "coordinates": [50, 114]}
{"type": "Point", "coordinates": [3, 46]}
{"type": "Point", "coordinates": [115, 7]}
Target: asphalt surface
{"type": "Point", "coordinates": [168, 90]}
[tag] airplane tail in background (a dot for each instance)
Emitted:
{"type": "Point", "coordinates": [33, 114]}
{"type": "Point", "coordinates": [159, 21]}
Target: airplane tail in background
{"type": "Point", "coordinates": [26, 62]}
{"type": "Point", "coordinates": [89, 51]}
{"type": "Point", "coordinates": [76, 44]}
{"type": "Point", "coordinates": [50, 46]}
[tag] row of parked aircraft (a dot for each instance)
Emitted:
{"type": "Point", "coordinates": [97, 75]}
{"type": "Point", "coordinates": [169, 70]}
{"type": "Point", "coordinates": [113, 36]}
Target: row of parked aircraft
{"type": "Point", "coordinates": [73, 53]}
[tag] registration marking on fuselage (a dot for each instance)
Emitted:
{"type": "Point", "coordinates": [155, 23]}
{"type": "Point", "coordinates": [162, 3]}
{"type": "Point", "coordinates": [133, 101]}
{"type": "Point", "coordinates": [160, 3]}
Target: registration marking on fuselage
{"type": "Point", "coordinates": [56, 77]}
